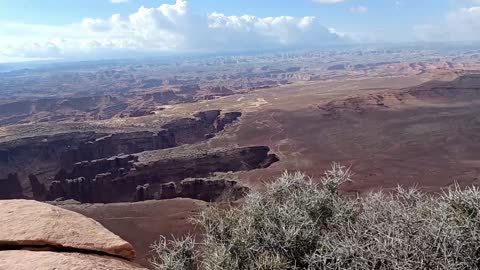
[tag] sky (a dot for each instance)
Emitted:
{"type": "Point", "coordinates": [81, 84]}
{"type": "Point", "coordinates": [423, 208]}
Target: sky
{"type": "Point", "coordinates": [102, 29]}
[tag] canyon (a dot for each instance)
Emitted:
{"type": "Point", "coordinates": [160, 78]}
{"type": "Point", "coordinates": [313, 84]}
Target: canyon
{"type": "Point", "coordinates": [93, 167]}
{"type": "Point", "coordinates": [98, 90]}
{"type": "Point", "coordinates": [143, 149]}
{"type": "Point", "coordinates": [416, 132]}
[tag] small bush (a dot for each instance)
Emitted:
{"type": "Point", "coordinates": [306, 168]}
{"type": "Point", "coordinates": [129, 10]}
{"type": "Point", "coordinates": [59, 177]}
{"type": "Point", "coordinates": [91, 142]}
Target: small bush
{"type": "Point", "coordinates": [298, 224]}
{"type": "Point", "coordinates": [174, 254]}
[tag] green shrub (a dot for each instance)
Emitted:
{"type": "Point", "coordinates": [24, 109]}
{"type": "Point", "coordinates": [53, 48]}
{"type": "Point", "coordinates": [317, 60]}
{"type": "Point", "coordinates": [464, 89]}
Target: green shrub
{"type": "Point", "coordinates": [298, 224]}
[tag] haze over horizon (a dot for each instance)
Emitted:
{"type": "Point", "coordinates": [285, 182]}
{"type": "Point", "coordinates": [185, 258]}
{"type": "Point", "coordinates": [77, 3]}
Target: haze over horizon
{"type": "Point", "coordinates": [72, 30]}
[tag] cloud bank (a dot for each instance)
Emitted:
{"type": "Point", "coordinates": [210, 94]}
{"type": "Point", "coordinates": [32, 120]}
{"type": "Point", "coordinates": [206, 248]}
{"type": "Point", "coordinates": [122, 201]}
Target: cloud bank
{"type": "Point", "coordinates": [167, 28]}
{"type": "Point", "coordinates": [460, 25]}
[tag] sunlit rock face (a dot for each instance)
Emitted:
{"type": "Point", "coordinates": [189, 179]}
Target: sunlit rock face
{"type": "Point", "coordinates": [35, 235]}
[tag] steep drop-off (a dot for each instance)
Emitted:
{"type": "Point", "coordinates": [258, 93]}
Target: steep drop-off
{"type": "Point", "coordinates": [158, 176]}
{"type": "Point", "coordinates": [95, 167]}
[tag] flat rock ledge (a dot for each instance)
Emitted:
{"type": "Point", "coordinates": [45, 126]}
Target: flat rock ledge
{"type": "Point", "coordinates": [47, 260]}
{"type": "Point", "coordinates": [35, 235]}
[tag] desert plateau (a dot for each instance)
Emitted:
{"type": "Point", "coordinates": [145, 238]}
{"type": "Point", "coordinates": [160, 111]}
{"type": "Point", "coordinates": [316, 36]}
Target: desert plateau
{"type": "Point", "coordinates": [175, 135]}
{"type": "Point", "coordinates": [143, 176]}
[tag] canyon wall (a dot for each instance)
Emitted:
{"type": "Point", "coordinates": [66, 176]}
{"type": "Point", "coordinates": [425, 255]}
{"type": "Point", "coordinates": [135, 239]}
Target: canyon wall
{"type": "Point", "coordinates": [92, 167]}
{"type": "Point", "coordinates": [125, 179]}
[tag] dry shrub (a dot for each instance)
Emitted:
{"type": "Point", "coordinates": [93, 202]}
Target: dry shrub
{"type": "Point", "coordinates": [298, 224]}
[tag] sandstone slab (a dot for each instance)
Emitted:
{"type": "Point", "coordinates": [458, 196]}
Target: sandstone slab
{"type": "Point", "coordinates": [27, 223]}
{"type": "Point", "coordinates": [46, 260]}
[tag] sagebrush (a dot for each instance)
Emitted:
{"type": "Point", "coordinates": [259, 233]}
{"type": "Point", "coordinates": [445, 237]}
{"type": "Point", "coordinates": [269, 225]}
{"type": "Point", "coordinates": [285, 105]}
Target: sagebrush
{"type": "Point", "coordinates": [299, 224]}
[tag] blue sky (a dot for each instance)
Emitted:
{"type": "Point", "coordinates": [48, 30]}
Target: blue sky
{"type": "Point", "coordinates": [381, 13]}
{"type": "Point", "coordinates": [101, 28]}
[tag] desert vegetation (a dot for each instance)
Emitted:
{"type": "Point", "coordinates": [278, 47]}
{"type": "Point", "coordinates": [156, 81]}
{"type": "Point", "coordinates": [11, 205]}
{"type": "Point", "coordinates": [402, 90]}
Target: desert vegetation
{"type": "Point", "coordinates": [300, 223]}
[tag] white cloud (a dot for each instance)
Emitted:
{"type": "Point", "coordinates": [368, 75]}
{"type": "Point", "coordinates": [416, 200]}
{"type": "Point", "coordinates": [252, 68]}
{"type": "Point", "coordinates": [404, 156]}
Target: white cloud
{"type": "Point", "coordinates": [118, 1]}
{"type": "Point", "coordinates": [465, 23]}
{"type": "Point", "coordinates": [460, 25]}
{"type": "Point", "coordinates": [99, 25]}
{"type": "Point", "coordinates": [358, 9]}
{"type": "Point", "coordinates": [328, 1]}
{"type": "Point", "coordinates": [250, 31]}
{"type": "Point", "coordinates": [169, 27]}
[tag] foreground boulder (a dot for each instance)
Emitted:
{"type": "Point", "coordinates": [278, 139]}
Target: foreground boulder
{"type": "Point", "coordinates": [31, 223]}
{"type": "Point", "coordinates": [47, 260]}
{"type": "Point", "coordinates": [35, 235]}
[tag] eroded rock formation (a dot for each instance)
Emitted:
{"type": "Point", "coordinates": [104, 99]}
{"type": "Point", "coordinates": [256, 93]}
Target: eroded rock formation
{"type": "Point", "coordinates": [158, 175]}
{"type": "Point", "coordinates": [48, 158]}
{"type": "Point", "coordinates": [91, 167]}
{"type": "Point", "coordinates": [206, 189]}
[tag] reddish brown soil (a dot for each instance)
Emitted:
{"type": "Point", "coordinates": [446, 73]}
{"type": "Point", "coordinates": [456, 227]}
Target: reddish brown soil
{"type": "Point", "coordinates": [142, 223]}
{"type": "Point", "coordinates": [390, 134]}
